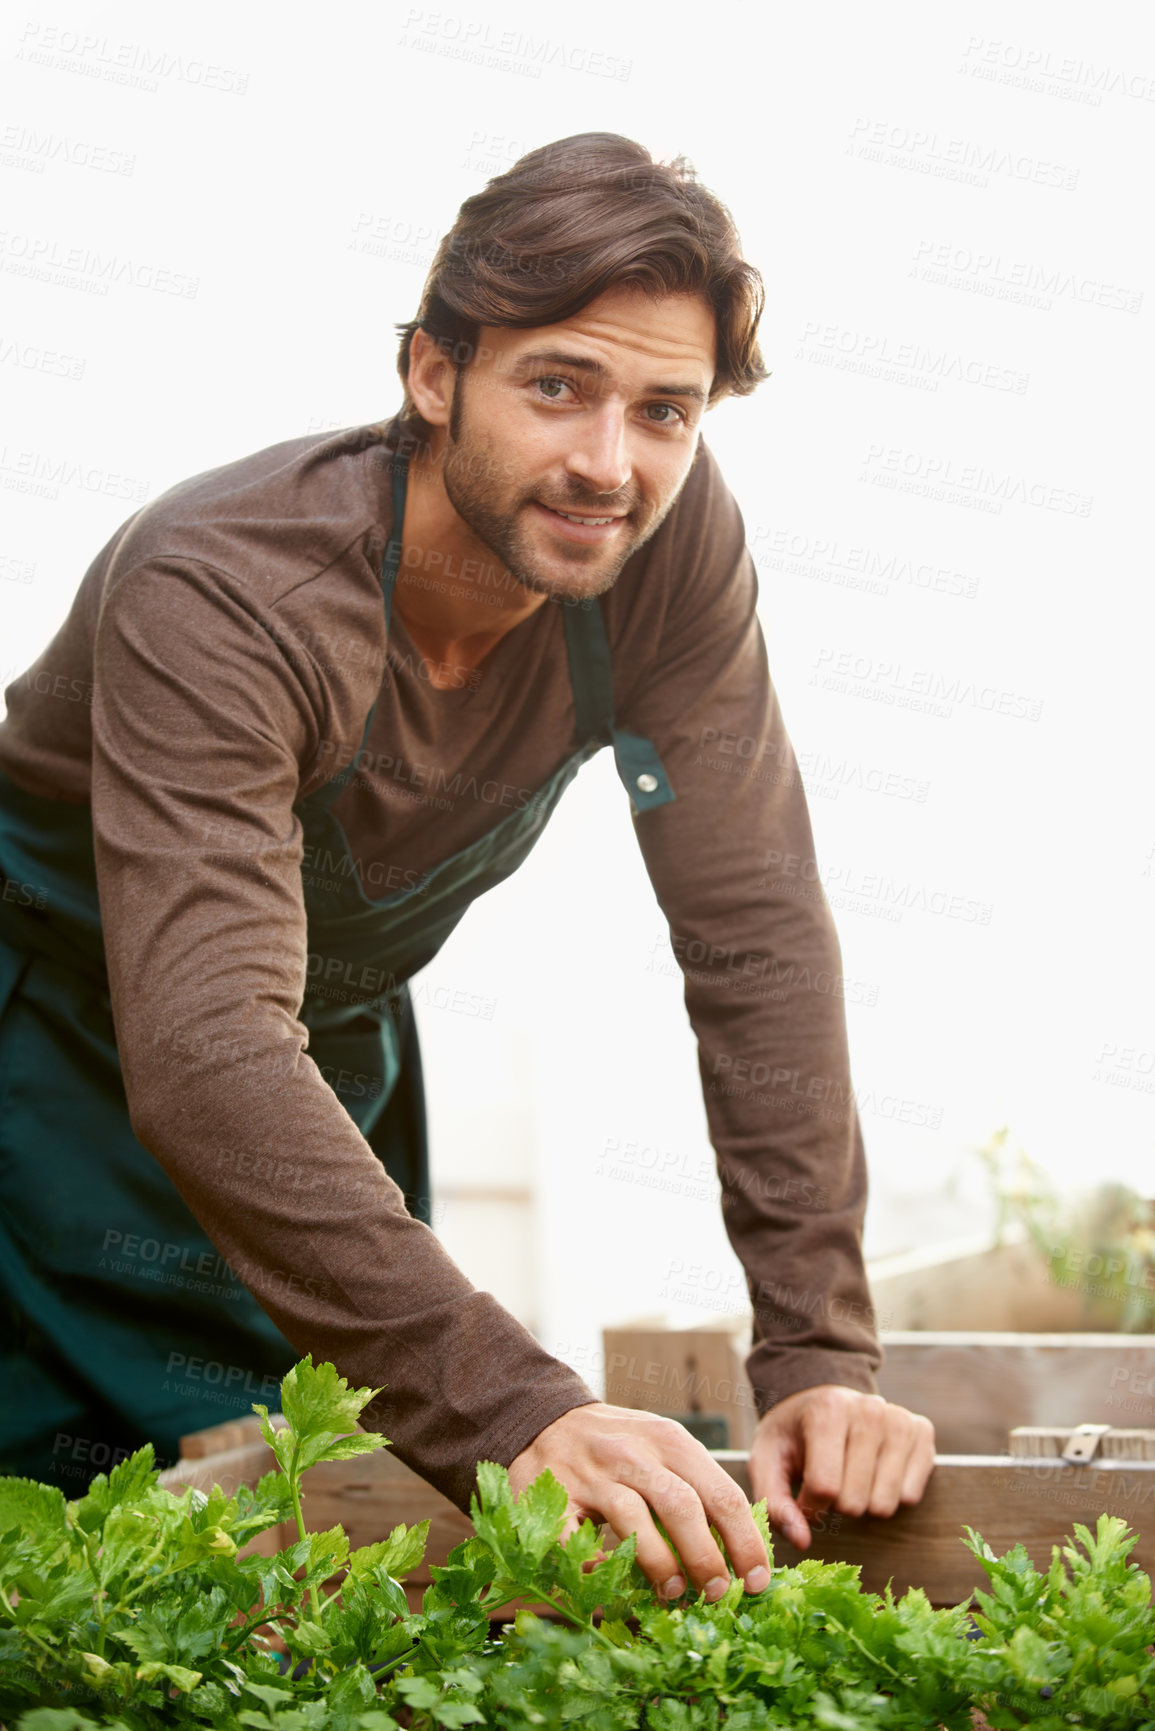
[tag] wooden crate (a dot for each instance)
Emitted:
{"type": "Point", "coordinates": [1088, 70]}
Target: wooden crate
{"type": "Point", "coordinates": [976, 1387]}
{"type": "Point", "coordinates": [1035, 1501]}
{"type": "Point", "coordinates": [975, 1337]}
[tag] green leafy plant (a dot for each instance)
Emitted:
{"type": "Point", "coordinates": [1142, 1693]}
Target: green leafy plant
{"type": "Point", "coordinates": [133, 1609]}
{"type": "Point", "coordinates": [1069, 1646]}
{"type": "Point", "coordinates": [1102, 1242]}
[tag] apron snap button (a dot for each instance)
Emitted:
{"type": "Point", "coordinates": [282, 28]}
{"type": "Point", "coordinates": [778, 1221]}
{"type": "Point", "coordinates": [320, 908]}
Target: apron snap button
{"type": "Point", "coordinates": [647, 783]}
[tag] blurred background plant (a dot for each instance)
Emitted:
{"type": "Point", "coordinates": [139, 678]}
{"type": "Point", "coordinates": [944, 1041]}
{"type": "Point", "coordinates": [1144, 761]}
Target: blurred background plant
{"type": "Point", "coordinates": [1100, 1241]}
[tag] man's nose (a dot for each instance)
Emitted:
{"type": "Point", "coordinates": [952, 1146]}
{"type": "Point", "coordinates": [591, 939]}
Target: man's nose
{"type": "Point", "coordinates": [599, 458]}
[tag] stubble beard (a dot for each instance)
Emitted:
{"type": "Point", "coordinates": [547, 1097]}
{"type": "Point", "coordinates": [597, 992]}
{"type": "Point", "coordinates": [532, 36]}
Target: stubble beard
{"type": "Point", "coordinates": [466, 469]}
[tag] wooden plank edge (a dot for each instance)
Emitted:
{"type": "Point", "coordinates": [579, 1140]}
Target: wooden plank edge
{"type": "Point", "coordinates": [1008, 1501]}
{"type": "Point", "coordinates": [1099, 1341]}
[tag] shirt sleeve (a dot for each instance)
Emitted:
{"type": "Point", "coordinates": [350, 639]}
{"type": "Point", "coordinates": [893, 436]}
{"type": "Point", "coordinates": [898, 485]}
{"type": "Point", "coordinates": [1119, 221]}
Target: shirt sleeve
{"type": "Point", "coordinates": [732, 863]}
{"type": "Point", "coordinates": [203, 723]}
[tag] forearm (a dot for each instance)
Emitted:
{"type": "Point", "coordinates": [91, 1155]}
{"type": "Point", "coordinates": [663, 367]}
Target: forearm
{"type": "Point", "coordinates": [733, 862]}
{"type": "Point", "coordinates": [784, 1123]}
{"type": "Point", "coordinates": [305, 1215]}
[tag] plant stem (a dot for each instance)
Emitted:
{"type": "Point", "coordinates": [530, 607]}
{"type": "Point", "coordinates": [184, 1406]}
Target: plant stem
{"type": "Point", "coordinates": [585, 1624]}
{"type": "Point", "coordinates": [267, 1614]}
{"type": "Point", "coordinates": [295, 1494]}
{"type": "Point", "coordinates": [154, 1556]}
{"type": "Point", "coordinates": [29, 1634]}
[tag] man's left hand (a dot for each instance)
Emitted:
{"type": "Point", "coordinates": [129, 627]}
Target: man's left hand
{"type": "Point", "coordinates": [854, 1453]}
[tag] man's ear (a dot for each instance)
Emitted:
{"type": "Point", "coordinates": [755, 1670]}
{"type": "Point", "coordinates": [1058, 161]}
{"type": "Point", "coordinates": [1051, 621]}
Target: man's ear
{"type": "Point", "coordinates": [432, 379]}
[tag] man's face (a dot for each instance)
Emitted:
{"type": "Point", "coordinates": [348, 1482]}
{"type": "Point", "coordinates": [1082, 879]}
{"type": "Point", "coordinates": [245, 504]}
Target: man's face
{"type": "Point", "coordinates": [593, 418]}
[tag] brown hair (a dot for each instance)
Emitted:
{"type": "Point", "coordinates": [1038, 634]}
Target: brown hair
{"type": "Point", "coordinates": [566, 223]}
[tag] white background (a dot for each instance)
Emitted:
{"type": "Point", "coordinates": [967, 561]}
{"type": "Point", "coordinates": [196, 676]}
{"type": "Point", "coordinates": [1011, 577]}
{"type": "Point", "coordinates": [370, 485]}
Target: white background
{"type": "Point", "coordinates": [950, 207]}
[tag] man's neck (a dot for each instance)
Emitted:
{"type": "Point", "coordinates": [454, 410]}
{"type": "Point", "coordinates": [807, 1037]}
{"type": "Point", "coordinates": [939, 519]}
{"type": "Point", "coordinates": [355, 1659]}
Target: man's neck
{"type": "Point", "coordinates": [456, 599]}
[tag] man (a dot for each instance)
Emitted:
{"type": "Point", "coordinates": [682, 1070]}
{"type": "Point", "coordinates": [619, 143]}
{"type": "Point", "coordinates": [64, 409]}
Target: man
{"type": "Point", "coordinates": [305, 669]}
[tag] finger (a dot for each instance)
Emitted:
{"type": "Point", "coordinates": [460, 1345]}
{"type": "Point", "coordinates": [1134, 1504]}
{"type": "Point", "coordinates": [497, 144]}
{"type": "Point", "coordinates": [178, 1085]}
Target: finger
{"type": "Point", "coordinates": [920, 1463]}
{"type": "Point", "coordinates": [679, 1507]}
{"type": "Point", "coordinates": [725, 1504]}
{"type": "Point", "coordinates": [772, 1484]}
{"type": "Point", "coordinates": [577, 1514]}
{"type": "Point", "coordinates": [865, 1437]}
{"type": "Point", "coordinates": [604, 1535]}
{"type": "Point", "coordinates": [773, 1467]}
{"type": "Point", "coordinates": [626, 1512]}
{"type": "Point", "coordinates": [890, 1468]}
{"type": "Point", "coordinates": [823, 1440]}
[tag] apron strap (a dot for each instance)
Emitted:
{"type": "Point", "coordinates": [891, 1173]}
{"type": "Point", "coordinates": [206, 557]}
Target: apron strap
{"type": "Point", "coordinates": [588, 650]}
{"type": "Point", "coordinates": [588, 654]}
{"type": "Point", "coordinates": [390, 565]}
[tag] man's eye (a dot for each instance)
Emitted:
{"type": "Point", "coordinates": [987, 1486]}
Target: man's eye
{"type": "Point", "coordinates": [669, 412]}
{"type": "Point", "coordinates": [551, 388]}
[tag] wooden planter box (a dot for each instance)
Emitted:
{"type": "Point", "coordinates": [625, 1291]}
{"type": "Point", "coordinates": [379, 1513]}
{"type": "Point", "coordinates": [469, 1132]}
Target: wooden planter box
{"type": "Point", "coordinates": [979, 1339]}
{"type": "Point", "coordinates": [1034, 1500]}
{"type": "Point", "coordinates": [944, 1318]}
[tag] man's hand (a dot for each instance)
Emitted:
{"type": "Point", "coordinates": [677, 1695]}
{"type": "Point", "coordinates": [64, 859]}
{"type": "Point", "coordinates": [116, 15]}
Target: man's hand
{"type": "Point", "coordinates": [854, 1453]}
{"type": "Point", "coordinates": [618, 1465]}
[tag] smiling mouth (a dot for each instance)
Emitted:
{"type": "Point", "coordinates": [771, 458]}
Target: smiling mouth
{"type": "Point", "coordinates": [587, 519]}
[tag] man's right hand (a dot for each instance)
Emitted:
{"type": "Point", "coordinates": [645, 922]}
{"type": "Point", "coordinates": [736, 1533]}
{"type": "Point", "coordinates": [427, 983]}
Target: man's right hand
{"type": "Point", "coordinates": [618, 1465]}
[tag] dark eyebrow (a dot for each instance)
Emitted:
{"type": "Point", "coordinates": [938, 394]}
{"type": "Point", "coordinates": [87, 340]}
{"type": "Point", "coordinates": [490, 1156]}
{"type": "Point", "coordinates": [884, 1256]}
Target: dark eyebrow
{"type": "Point", "coordinates": [583, 364]}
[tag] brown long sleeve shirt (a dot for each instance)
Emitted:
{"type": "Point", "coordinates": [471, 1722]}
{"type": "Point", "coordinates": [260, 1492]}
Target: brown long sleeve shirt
{"type": "Point", "coordinates": [218, 662]}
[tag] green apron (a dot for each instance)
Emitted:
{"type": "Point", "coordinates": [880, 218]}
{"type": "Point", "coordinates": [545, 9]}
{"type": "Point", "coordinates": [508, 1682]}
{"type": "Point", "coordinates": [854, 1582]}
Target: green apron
{"type": "Point", "coordinates": [119, 1321]}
